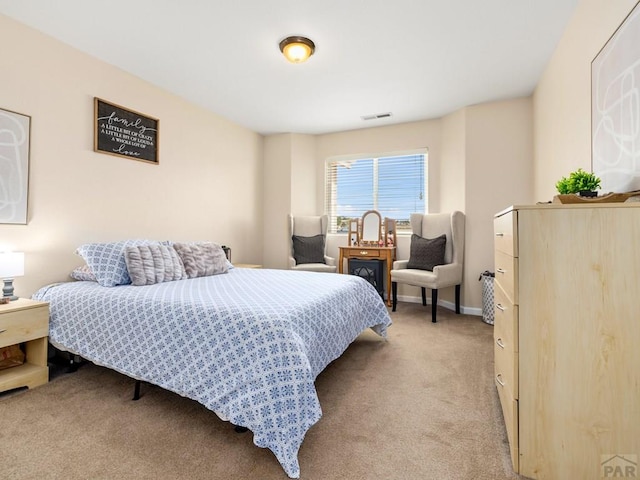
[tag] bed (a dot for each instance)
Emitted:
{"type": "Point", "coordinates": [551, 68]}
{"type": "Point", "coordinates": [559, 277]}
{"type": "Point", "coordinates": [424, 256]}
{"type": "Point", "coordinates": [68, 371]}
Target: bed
{"type": "Point", "coordinates": [247, 344]}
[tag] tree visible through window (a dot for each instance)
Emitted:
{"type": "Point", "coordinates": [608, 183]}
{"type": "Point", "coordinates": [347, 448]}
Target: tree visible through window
{"type": "Point", "coordinates": [395, 185]}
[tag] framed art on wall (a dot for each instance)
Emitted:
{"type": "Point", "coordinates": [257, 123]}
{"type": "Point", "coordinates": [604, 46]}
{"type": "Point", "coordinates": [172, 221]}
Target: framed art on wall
{"type": "Point", "coordinates": [15, 135]}
{"type": "Point", "coordinates": [615, 108]}
{"type": "Point", "coordinates": [125, 133]}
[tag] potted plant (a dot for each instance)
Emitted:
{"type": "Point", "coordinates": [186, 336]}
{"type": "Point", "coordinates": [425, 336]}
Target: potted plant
{"type": "Point", "coordinates": [583, 183]}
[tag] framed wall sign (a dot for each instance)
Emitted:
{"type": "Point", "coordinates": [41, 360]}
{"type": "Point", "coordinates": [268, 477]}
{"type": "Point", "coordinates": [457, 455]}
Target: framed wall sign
{"type": "Point", "coordinates": [615, 108]}
{"type": "Point", "coordinates": [15, 136]}
{"type": "Point", "coordinates": [125, 133]}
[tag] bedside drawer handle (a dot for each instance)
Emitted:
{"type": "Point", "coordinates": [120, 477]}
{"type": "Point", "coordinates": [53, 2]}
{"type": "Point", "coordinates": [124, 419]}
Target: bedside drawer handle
{"type": "Point", "coordinates": [499, 343]}
{"type": "Point", "coordinates": [500, 270]}
{"type": "Point", "coordinates": [499, 379]}
{"type": "Point", "coordinates": [499, 234]}
{"type": "Point", "coordinates": [364, 252]}
{"type": "Point", "coordinates": [500, 307]}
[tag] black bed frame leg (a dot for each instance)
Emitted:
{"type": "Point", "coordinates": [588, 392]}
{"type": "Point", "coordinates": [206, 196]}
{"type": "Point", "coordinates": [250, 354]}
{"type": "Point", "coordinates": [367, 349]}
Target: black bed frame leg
{"type": "Point", "coordinates": [240, 429]}
{"type": "Point", "coordinates": [136, 391]}
{"type": "Point", "coordinates": [74, 363]}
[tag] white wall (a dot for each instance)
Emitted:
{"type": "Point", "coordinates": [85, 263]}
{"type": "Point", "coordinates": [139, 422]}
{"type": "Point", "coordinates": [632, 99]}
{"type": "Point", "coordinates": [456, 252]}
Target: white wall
{"type": "Point", "coordinates": [207, 186]}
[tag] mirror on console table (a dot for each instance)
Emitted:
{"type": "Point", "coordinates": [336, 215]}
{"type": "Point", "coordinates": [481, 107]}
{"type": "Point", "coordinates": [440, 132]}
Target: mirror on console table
{"type": "Point", "coordinates": [371, 228]}
{"type": "Point", "coordinates": [371, 238]}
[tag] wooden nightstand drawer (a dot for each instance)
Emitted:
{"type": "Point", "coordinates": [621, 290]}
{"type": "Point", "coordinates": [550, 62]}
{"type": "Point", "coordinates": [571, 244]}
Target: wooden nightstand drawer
{"type": "Point", "coordinates": [23, 325]}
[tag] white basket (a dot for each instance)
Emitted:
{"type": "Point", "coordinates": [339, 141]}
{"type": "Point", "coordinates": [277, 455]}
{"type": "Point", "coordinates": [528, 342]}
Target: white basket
{"type": "Point", "coordinates": [488, 311]}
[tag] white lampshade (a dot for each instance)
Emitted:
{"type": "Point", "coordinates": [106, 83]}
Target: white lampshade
{"type": "Point", "coordinates": [11, 264]}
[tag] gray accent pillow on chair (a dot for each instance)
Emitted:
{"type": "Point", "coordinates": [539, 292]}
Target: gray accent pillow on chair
{"type": "Point", "coordinates": [308, 249]}
{"type": "Point", "coordinates": [426, 253]}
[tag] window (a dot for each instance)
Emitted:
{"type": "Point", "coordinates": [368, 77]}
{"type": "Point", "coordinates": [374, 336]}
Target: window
{"type": "Point", "coordinates": [395, 185]}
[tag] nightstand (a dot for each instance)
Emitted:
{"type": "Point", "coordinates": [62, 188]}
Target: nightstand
{"type": "Point", "coordinates": [25, 321]}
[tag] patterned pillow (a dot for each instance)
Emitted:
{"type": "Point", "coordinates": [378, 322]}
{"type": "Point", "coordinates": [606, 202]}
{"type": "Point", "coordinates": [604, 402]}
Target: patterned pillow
{"type": "Point", "coordinates": [426, 253]}
{"type": "Point", "coordinates": [308, 249]}
{"type": "Point", "coordinates": [106, 260]}
{"type": "Point", "coordinates": [149, 264]}
{"type": "Point", "coordinates": [201, 259]}
{"type": "Point", "coordinates": [83, 274]}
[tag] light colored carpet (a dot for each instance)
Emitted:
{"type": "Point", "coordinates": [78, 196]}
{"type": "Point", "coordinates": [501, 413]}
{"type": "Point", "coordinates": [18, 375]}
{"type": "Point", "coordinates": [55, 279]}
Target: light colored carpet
{"type": "Point", "coordinates": [421, 405]}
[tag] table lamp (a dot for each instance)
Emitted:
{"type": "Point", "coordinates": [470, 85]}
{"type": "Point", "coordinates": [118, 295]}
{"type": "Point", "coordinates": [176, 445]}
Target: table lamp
{"type": "Point", "coordinates": [11, 266]}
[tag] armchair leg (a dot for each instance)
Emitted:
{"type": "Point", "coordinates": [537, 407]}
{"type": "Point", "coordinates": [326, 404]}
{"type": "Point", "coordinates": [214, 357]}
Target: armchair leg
{"type": "Point", "coordinates": [394, 295]}
{"type": "Point", "coordinates": [458, 299]}
{"type": "Point", "coordinates": [434, 304]}
{"type": "Point", "coordinates": [424, 297]}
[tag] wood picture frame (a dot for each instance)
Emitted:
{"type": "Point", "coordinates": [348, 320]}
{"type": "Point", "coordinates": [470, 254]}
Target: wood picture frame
{"type": "Point", "coordinates": [15, 146]}
{"type": "Point", "coordinates": [124, 132]}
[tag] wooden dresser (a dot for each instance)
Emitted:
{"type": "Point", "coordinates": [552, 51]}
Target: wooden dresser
{"type": "Point", "coordinates": [567, 337]}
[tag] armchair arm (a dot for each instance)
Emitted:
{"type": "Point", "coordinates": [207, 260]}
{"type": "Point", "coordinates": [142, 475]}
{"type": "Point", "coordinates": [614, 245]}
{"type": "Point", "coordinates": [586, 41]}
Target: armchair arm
{"type": "Point", "coordinates": [330, 261]}
{"type": "Point", "coordinates": [450, 274]}
{"type": "Point", "coordinates": [400, 264]}
{"type": "Point", "coordinates": [292, 262]}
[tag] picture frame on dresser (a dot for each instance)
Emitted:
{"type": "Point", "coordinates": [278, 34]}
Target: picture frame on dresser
{"type": "Point", "coordinates": [15, 129]}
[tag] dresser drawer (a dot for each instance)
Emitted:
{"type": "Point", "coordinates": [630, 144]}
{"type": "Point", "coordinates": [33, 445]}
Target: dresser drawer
{"type": "Point", "coordinates": [505, 320]}
{"type": "Point", "coordinates": [505, 229]}
{"type": "Point", "coordinates": [506, 367]}
{"type": "Point", "coordinates": [23, 325]}
{"type": "Point", "coordinates": [510, 414]}
{"type": "Point", "coordinates": [364, 253]}
{"type": "Point", "coordinates": [507, 274]}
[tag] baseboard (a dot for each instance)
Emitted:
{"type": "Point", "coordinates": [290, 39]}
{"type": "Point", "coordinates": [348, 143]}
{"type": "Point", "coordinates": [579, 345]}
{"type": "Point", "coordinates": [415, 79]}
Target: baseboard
{"type": "Point", "coordinates": [443, 303]}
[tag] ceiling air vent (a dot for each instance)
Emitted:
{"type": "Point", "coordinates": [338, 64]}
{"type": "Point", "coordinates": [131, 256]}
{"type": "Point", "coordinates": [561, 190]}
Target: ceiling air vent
{"type": "Point", "coordinates": [376, 116]}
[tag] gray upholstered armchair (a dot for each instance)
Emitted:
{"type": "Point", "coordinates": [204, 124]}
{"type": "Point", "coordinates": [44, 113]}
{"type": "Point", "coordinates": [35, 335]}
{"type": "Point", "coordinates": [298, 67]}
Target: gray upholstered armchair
{"type": "Point", "coordinates": [448, 274]}
{"type": "Point", "coordinates": [307, 250]}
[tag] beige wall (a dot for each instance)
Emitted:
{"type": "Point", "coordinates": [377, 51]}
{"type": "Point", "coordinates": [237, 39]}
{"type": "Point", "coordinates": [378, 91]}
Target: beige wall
{"type": "Point", "coordinates": [303, 172]}
{"type": "Point", "coordinates": [499, 155]}
{"type": "Point", "coordinates": [277, 199]}
{"type": "Point", "coordinates": [562, 99]}
{"type": "Point", "coordinates": [207, 186]}
{"type": "Point", "coordinates": [453, 161]}
{"type": "Point", "coordinates": [289, 188]}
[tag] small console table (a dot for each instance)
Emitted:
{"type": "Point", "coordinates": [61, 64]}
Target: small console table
{"type": "Point", "coordinates": [376, 253]}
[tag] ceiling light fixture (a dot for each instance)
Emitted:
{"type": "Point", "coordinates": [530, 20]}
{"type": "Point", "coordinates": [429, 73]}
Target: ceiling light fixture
{"type": "Point", "coordinates": [297, 49]}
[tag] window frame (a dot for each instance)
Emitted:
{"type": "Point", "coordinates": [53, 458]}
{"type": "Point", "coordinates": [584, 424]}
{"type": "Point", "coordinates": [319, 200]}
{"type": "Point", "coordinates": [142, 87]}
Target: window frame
{"type": "Point", "coordinates": [406, 230]}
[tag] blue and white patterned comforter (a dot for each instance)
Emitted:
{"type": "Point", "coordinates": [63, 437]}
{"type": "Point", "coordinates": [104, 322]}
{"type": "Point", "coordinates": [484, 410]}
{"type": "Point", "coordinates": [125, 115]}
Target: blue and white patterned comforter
{"type": "Point", "coordinates": [247, 345]}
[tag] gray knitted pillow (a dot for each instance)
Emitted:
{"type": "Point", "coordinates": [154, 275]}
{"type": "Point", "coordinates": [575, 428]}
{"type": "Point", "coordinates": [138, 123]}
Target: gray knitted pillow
{"type": "Point", "coordinates": [308, 249]}
{"type": "Point", "coordinates": [426, 253]}
{"type": "Point", "coordinates": [202, 259]}
{"type": "Point", "coordinates": [149, 264]}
